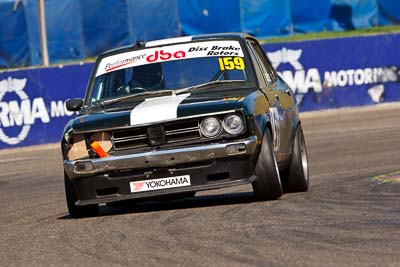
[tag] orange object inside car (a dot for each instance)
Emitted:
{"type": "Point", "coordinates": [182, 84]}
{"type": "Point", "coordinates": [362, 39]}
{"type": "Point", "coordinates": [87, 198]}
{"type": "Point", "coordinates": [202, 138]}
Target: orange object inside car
{"type": "Point", "coordinates": [98, 149]}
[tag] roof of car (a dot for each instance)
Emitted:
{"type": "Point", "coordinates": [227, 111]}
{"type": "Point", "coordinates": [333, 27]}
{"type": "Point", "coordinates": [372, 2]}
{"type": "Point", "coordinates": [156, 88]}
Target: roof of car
{"type": "Point", "coordinates": [141, 45]}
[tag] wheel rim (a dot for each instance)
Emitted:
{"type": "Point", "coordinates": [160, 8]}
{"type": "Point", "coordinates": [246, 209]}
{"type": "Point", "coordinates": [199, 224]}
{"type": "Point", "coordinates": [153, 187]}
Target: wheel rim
{"type": "Point", "coordinates": [304, 160]}
{"type": "Point", "coordinates": [276, 168]}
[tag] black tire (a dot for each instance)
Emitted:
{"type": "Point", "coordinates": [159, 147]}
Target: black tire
{"type": "Point", "coordinates": [267, 186]}
{"type": "Point", "coordinates": [296, 177]}
{"type": "Point", "coordinates": [74, 210]}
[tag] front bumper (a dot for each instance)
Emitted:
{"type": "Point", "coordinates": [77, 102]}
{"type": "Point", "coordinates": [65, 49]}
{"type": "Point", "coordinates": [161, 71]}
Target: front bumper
{"type": "Point", "coordinates": [209, 166]}
{"type": "Point", "coordinates": [158, 159]}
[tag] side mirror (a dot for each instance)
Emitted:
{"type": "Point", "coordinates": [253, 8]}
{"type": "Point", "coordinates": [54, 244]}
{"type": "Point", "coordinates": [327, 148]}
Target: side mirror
{"type": "Point", "coordinates": [74, 104]}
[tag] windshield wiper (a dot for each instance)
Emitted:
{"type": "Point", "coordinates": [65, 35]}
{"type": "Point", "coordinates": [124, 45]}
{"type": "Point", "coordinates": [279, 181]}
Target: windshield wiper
{"type": "Point", "coordinates": [207, 85]}
{"type": "Point", "coordinates": [133, 96]}
{"type": "Point", "coordinates": [202, 86]}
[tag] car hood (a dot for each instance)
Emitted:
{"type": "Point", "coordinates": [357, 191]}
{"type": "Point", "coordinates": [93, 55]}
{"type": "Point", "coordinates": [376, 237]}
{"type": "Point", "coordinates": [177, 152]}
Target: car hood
{"type": "Point", "coordinates": [160, 109]}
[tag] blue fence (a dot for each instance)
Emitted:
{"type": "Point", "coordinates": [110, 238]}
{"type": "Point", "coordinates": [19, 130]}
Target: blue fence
{"type": "Point", "coordinates": [340, 72]}
{"type": "Point", "coordinates": [32, 103]}
{"type": "Point", "coordinates": [78, 29]}
{"type": "Point", "coordinates": [324, 74]}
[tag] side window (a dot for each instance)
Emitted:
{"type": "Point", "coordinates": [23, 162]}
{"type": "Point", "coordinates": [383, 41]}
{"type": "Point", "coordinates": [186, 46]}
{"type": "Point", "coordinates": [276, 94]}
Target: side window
{"type": "Point", "coordinates": [269, 67]}
{"type": "Point", "coordinates": [259, 72]}
{"type": "Point", "coordinates": [265, 64]}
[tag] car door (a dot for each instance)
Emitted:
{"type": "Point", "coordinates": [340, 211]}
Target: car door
{"type": "Point", "coordinates": [287, 107]}
{"type": "Point", "coordinates": [270, 89]}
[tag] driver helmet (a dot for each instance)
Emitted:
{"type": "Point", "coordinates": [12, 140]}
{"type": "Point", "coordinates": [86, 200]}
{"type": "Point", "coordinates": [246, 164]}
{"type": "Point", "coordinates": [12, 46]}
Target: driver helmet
{"type": "Point", "coordinates": [148, 76]}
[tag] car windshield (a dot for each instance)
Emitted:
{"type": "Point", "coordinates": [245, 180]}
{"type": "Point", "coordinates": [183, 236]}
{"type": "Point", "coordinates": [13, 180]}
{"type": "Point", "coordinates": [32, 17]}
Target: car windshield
{"type": "Point", "coordinates": [170, 69]}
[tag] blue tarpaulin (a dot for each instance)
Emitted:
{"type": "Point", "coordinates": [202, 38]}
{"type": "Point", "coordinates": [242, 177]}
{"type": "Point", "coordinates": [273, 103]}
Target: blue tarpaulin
{"type": "Point", "coordinates": [63, 26]}
{"type": "Point", "coordinates": [201, 16]}
{"type": "Point", "coordinates": [77, 29]}
{"type": "Point", "coordinates": [111, 24]}
{"type": "Point", "coordinates": [354, 14]}
{"type": "Point", "coordinates": [263, 18]}
{"type": "Point", "coordinates": [14, 49]}
{"type": "Point", "coordinates": [311, 15]}
{"type": "Point", "coordinates": [152, 20]}
{"type": "Point", "coordinates": [104, 25]}
{"type": "Point", "coordinates": [30, 8]}
{"type": "Point", "coordinates": [64, 30]}
{"type": "Point", "coordinates": [389, 12]}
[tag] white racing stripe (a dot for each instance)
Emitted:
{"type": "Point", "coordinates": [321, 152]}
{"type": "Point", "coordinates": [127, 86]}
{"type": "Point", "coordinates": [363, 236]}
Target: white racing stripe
{"type": "Point", "coordinates": [157, 109]}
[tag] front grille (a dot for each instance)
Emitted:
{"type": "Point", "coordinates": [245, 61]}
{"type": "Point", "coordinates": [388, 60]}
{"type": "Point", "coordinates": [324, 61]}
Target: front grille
{"type": "Point", "coordinates": [130, 139]}
{"type": "Point", "coordinates": [182, 131]}
{"type": "Point", "coordinates": [156, 135]}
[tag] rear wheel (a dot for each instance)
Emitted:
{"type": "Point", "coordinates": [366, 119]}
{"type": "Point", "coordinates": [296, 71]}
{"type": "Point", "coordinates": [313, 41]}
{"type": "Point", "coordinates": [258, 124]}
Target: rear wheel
{"type": "Point", "coordinates": [267, 186]}
{"type": "Point", "coordinates": [296, 177]}
{"type": "Point", "coordinates": [74, 210]}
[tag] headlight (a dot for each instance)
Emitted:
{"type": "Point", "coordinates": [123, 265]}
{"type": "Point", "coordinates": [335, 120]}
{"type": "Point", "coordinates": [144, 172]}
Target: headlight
{"type": "Point", "coordinates": [233, 124]}
{"type": "Point", "coordinates": [211, 127]}
{"type": "Point", "coordinates": [78, 148]}
{"type": "Point", "coordinates": [103, 139]}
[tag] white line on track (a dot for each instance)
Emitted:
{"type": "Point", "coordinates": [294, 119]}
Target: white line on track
{"type": "Point", "coordinates": [16, 159]}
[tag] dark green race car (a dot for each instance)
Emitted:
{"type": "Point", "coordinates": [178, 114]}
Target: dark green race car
{"type": "Point", "coordinates": [176, 116]}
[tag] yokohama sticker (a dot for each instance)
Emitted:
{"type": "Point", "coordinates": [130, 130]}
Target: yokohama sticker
{"type": "Point", "coordinates": [169, 53]}
{"type": "Point", "coordinates": [158, 184]}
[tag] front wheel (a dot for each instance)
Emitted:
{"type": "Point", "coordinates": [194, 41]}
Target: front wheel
{"type": "Point", "coordinates": [71, 198]}
{"type": "Point", "coordinates": [296, 177]}
{"type": "Point", "coordinates": [267, 186]}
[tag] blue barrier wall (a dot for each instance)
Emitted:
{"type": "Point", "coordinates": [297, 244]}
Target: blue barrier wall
{"type": "Point", "coordinates": [324, 74]}
{"type": "Point", "coordinates": [78, 29]}
{"type": "Point", "coordinates": [32, 103]}
{"type": "Point", "coordinates": [340, 72]}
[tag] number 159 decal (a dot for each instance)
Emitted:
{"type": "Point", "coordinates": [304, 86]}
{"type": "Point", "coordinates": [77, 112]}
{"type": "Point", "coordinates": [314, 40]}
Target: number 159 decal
{"type": "Point", "coordinates": [231, 63]}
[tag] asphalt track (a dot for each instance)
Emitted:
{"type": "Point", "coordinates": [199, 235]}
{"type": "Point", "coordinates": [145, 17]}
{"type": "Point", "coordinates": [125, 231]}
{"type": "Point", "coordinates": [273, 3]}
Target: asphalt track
{"type": "Point", "coordinates": [346, 219]}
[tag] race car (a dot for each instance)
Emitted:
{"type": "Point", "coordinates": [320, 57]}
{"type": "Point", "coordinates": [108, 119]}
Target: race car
{"type": "Point", "coordinates": [175, 116]}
